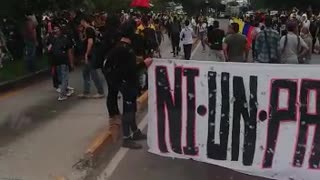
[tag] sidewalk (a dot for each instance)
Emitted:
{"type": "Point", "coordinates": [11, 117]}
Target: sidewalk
{"type": "Point", "coordinates": [41, 138]}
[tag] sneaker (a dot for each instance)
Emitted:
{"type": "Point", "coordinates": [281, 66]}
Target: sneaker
{"type": "Point", "coordinates": [62, 98]}
{"type": "Point", "coordinates": [58, 90]}
{"type": "Point", "coordinates": [70, 88]}
{"type": "Point", "coordinates": [84, 96]}
{"type": "Point", "coordinates": [98, 96]}
{"type": "Point", "coordinates": [70, 93]}
{"type": "Point", "coordinates": [127, 143]}
{"type": "Point", "coordinates": [138, 136]}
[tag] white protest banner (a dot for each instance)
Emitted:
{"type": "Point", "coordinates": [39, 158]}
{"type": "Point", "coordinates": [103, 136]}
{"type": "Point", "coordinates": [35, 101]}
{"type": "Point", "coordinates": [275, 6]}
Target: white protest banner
{"type": "Point", "coordinates": [258, 119]}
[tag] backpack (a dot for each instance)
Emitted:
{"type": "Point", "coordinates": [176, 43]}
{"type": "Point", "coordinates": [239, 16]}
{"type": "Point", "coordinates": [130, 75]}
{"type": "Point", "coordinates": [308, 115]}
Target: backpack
{"type": "Point", "coordinates": [150, 38]}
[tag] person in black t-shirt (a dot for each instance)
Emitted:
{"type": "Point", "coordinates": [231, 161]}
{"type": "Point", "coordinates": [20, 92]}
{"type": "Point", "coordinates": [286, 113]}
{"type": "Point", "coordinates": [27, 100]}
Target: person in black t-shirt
{"type": "Point", "coordinates": [89, 70]}
{"type": "Point", "coordinates": [215, 38]}
{"type": "Point", "coordinates": [60, 51]}
{"type": "Point", "coordinates": [121, 71]}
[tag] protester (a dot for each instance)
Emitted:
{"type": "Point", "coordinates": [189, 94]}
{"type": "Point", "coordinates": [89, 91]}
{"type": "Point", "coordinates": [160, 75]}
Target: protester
{"type": "Point", "coordinates": [307, 38]}
{"type": "Point", "coordinates": [121, 70]}
{"type": "Point", "coordinates": [186, 37]}
{"type": "Point", "coordinates": [89, 71]}
{"type": "Point", "coordinates": [235, 45]}
{"type": "Point", "coordinates": [30, 39]}
{"type": "Point", "coordinates": [314, 30]}
{"type": "Point", "coordinates": [305, 21]}
{"type": "Point", "coordinates": [256, 30]}
{"type": "Point", "coordinates": [175, 34]}
{"type": "Point", "coordinates": [292, 46]}
{"type": "Point", "coordinates": [60, 50]}
{"type": "Point", "coordinates": [202, 27]}
{"type": "Point", "coordinates": [215, 40]}
{"type": "Point", "coordinates": [267, 44]}
{"type": "Point", "coordinates": [112, 36]}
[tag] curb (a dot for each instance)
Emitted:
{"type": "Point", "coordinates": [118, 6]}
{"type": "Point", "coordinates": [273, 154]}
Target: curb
{"type": "Point", "coordinates": [111, 133]}
{"type": "Point", "coordinates": [23, 81]}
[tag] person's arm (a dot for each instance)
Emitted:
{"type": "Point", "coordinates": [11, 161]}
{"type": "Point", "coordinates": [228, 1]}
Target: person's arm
{"type": "Point", "coordinates": [90, 36]}
{"type": "Point", "coordinates": [246, 52]}
{"type": "Point", "coordinates": [89, 48]}
{"type": "Point", "coordinates": [225, 50]}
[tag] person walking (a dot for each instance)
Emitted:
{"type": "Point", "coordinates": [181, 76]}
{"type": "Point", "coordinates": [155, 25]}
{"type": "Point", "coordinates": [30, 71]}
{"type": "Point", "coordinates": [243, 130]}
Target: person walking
{"type": "Point", "coordinates": [215, 40]}
{"type": "Point", "coordinates": [202, 27]}
{"type": "Point", "coordinates": [89, 71]}
{"type": "Point", "coordinates": [186, 37]}
{"type": "Point", "coordinates": [292, 46]}
{"type": "Point", "coordinates": [235, 45]}
{"type": "Point", "coordinates": [121, 70]}
{"type": "Point", "coordinates": [267, 44]}
{"type": "Point", "coordinates": [60, 50]}
{"type": "Point", "coordinates": [308, 39]}
{"type": "Point", "coordinates": [175, 30]}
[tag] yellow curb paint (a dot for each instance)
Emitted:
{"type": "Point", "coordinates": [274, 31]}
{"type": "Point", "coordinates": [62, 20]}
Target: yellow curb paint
{"type": "Point", "coordinates": [103, 137]}
{"type": "Point", "coordinates": [9, 94]}
{"type": "Point", "coordinates": [60, 178]}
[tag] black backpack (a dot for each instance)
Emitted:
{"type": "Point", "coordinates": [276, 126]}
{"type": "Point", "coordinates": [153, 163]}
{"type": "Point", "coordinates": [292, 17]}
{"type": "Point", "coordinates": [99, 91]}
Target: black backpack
{"type": "Point", "coordinates": [150, 38]}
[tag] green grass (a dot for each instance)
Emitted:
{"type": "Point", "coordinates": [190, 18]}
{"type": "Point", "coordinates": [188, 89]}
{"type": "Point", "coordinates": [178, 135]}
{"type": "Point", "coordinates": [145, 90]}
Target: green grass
{"type": "Point", "coordinates": [17, 68]}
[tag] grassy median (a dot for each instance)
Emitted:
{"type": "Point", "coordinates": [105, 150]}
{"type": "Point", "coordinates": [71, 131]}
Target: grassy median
{"type": "Point", "coordinates": [17, 69]}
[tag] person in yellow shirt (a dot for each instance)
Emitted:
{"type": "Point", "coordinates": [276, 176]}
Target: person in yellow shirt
{"type": "Point", "coordinates": [145, 24]}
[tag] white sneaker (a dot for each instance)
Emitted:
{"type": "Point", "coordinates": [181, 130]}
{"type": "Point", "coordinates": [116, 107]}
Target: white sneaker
{"type": "Point", "coordinates": [70, 88]}
{"type": "Point", "coordinates": [70, 93]}
{"type": "Point", "coordinates": [62, 98]}
{"type": "Point", "coordinates": [58, 90]}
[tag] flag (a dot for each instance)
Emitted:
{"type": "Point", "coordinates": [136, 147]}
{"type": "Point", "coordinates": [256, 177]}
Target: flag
{"type": "Point", "coordinates": [140, 3]}
{"type": "Point", "coordinates": [245, 29]}
{"type": "Point", "coordinates": [240, 22]}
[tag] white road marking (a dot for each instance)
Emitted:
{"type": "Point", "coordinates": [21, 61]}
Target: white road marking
{"type": "Point", "coordinates": [116, 160]}
{"type": "Point", "coordinates": [195, 50]}
{"type": "Point", "coordinates": [120, 155]}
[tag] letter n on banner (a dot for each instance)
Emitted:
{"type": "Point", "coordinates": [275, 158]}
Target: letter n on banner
{"type": "Point", "coordinates": [171, 104]}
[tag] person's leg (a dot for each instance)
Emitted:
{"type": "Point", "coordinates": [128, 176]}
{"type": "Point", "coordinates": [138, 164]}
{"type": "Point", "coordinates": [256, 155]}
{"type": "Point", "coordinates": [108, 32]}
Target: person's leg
{"type": "Point", "coordinates": [64, 79]}
{"type": "Point", "coordinates": [112, 99]}
{"type": "Point", "coordinates": [55, 79]}
{"type": "Point", "coordinates": [86, 79]}
{"type": "Point", "coordinates": [202, 41]}
{"type": "Point", "coordinates": [187, 51]}
{"type": "Point", "coordinates": [129, 119]}
{"type": "Point", "coordinates": [96, 79]}
{"type": "Point", "coordinates": [29, 56]}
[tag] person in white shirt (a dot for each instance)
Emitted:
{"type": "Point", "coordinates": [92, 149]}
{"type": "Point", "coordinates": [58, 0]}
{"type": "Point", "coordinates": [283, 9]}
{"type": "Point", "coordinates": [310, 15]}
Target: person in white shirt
{"type": "Point", "coordinates": [186, 37]}
{"type": "Point", "coordinates": [292, 46]}
{"type": "Point", "coordinates": [305, 21]}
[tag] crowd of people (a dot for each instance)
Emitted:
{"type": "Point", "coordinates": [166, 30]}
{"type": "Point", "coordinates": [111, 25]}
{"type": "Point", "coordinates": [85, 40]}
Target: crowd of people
{"type": "Point", "coordinates": [289, 37]}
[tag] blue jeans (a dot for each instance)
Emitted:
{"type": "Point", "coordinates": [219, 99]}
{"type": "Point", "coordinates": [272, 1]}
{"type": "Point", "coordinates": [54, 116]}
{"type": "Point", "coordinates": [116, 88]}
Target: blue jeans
{"type": "Point", "coordinates": [88, 73]}
{"type": "Point", "coordinates": [30, 56]}
{"type": "Point", "coordinates": [63, 76]}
